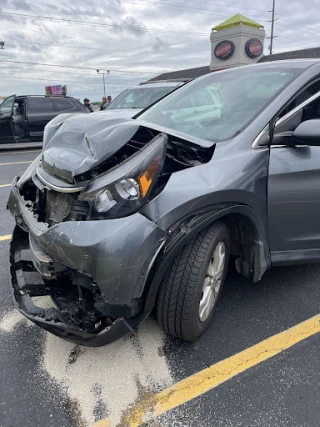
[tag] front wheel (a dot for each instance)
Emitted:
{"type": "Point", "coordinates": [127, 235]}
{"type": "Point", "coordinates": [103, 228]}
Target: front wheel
{"type": "Point", "coordinates": [192, 285]}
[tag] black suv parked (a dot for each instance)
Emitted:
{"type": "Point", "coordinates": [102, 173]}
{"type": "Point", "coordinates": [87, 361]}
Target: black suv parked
{"type": "Point", "coordinates": [36, 112]}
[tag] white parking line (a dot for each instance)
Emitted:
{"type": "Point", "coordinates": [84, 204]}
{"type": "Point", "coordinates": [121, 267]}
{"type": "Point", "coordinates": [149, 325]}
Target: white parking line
{"type": "Point", "coordinates": [15, 163]}
{"type": "Point", "coordinates": [21, 152]}
{"type": "Point", "coordinates": [4, 185]}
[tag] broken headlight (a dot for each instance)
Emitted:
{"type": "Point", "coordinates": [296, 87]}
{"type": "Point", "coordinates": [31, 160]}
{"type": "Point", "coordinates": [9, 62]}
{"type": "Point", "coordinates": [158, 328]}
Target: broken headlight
{"type": "Point", "coordinates": [125, 188]}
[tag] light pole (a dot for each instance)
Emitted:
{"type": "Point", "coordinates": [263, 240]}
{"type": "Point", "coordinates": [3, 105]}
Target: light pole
{"type": "Point", "coordinates": [272, 27]}
{"type": "Point", "coordinates": [104, 83]}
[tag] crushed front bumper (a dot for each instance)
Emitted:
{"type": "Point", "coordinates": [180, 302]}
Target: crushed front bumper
{"type": "Point", "coordinates": [116, 254]}
{"type": "Point", "coordinates": [50, 318]}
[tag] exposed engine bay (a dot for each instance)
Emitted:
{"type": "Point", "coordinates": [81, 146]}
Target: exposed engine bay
{"type": "Point", "coordinates": [71, 184]}
{"type": "Point", "coordinates": [55, 205]}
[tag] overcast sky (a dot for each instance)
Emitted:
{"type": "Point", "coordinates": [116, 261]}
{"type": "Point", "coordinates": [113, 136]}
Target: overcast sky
{"type": "Point", "coordinates": [134, 39]}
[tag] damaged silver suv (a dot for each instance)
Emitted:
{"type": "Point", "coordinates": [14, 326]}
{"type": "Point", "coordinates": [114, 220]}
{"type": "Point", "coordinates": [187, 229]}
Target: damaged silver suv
{"type": "Point", "coordinates": [117, 217]}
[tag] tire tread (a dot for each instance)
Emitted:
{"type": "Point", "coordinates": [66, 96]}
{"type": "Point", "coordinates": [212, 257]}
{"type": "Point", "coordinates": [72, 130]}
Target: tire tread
{"type": "Point", "coordinates": [175, 301]}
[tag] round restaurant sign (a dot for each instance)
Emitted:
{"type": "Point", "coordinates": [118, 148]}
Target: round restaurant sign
{"type": "Point", "coordinates": [224, 49]}
{"type": "Point", "coordinates": [254, 48]}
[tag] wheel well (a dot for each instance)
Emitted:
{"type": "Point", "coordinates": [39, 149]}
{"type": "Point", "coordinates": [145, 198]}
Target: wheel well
{"type": "Point", "coordinates": [246, 247]}
{"type": "Point", "coordinates": [243, 243]}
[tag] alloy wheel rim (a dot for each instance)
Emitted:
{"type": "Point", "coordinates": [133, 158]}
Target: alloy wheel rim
{"type": "Point", "coordinates": [212, 281]}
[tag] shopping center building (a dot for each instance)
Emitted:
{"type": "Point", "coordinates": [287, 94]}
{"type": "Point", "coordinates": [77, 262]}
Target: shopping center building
{"type": "Point", "coordinates": [235, 42]}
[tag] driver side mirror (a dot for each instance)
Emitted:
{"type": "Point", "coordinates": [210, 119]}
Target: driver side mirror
{"type": "Point", "coordinates": [308, 133]}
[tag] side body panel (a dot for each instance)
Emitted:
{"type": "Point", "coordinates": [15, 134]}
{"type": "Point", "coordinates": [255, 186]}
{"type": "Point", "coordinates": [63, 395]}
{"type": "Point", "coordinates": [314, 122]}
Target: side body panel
{"type": "Point", "coordinates": [6, 130]}
{"type": "Point", "coordinates": [236, 176]}
{"type": "Point", "coordinates": [294, 198]}
{"type": "Point", "coordinates": [37, 120]}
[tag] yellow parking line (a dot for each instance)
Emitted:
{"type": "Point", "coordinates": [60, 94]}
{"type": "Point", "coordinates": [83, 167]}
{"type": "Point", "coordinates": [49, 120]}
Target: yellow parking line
{"type": "Point", "coordinates": [15, 163]}
{"type": "Point", "coordinates": [5, 185]}
{"type": "Point", "coordinates": [211, 377]}
{"type": "Point", "coordinates": [21, 152]}
{"type": "Point", "coordinates": [7, 237]}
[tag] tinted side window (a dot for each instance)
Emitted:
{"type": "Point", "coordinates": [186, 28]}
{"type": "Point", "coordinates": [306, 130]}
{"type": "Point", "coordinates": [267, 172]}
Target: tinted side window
{"type": "Point", "coordinates": [6, 106]}
{"type": "Point", "coordinates": [62, 104]}
{"type": "Point", "coordinates": [303, 96]}
{"type": "Point", "coordinates": [78, 106]}
{"type": "Point", "coordinates": [308, 112]}
{"type": "Point", "coordinates": [40, 105]}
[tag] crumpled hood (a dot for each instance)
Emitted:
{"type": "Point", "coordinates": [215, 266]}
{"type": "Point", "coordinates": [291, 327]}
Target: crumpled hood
{"type": "Point", "coordinates": [118, 112]}
{"type": "Point", "coordinates": [77, 143]}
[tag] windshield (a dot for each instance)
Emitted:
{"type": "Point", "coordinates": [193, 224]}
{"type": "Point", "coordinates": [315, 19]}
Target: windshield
{"type": "Point", "coordinates": [139, 97]}
{"type": "Point", "coordinates": [217, 106]}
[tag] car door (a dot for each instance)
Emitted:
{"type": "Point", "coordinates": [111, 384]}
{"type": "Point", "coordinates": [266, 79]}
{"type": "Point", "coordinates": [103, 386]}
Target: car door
{"type": "Point", "coordinates": [6, 124]}
{"type": "Point", "coordinates": [294, 187]}
{"type": "Point", "coordinates": [40, 111]}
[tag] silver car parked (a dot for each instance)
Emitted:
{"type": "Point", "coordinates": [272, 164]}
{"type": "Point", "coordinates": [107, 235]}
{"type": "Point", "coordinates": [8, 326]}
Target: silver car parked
{"type": "Point", "coordinates": [119, 217]}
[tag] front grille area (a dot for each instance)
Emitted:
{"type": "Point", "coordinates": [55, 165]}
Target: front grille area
{"type": "Point", "coordinates": [53, 207]}
{"type": "Point", "coordinates": [59, 206]}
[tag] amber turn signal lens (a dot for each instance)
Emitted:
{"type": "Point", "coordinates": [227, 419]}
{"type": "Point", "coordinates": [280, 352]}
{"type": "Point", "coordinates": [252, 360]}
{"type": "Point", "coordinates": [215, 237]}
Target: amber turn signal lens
{"type": "Point", "coordinates": [146, 179]}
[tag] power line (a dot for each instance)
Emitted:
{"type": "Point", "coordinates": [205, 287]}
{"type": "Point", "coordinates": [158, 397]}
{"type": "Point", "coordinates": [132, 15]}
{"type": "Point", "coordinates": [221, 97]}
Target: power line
{"type": "Point", "coordinates": [292, 19]}
{"type": "Point", "coordinates": [72, 21]}
{"type": "Point", "coordinates": [33, 70]}
{"type": "Point", "coordinates": [59, 80]}
{"type": "Point", "coordinates": [213, 4]}
{"type": "Point", "coordinates": [82, 47]}
{"type": "Point", "coordinates": [81, 68]}
{"type": "Point", "coordinates": [64, 46]}
{"type": "Point", "coordinates": [301, 43]}
{"type": "Point", "coordinates": [225, 6]}
{"type": "Point", "coordinates": [300, 30]}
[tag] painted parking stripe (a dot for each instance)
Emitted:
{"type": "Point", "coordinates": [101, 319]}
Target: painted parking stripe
{"type": "Point", "coordinates": [4, 185]}
{"type": "Point", "coordinates": [21, 152]}
{"type": "Point", "coordinates": [211, 377]}
{"type": "Point", "coordinates": [7, 237]}
{"type": "Point", "coordinates": [16, 163]}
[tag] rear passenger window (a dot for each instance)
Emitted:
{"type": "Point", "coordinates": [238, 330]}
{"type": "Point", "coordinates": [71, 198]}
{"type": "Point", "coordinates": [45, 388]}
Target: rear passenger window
{"type": "Point", "coordinates": [310, 111]}
{"type": "Point", "coordinates": [40, 105]}
{"type": "Point", "coordinates": [62, 104]}
{"type": "Point", "coordinates": [303, 96]}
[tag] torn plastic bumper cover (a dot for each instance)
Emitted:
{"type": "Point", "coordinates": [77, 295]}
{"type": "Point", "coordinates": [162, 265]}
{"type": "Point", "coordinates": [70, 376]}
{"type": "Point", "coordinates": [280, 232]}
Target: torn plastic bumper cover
{"type": "Point", "coordinates": [113, 258]}
{"type": "Point", "coordinates": [51, 319]}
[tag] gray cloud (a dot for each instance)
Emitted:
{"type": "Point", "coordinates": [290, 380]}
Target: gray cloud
{"type": "Point", "coordinates": [179, 38]}
{"type": "Point", "coordinates": [20, 5]}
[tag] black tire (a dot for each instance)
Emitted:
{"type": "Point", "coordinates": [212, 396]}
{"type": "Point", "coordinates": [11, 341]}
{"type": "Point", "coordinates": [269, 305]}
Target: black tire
{"type": "Point", "coordinates": [180, 292]}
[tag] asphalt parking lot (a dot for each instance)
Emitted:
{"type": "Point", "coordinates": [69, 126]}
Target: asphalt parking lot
{"type": "Point", "coordinates": [250, 369]}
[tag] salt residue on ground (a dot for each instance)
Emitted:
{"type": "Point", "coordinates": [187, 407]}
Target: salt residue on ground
{"type": "Point", "coordinates": [14, 318]}
{"type": "Point", "coordinates": [11, 320]}
{"type": "Point", "coordinates": [120, 371]}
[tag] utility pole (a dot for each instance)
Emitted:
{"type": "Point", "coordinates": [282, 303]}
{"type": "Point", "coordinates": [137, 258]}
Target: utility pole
{"type": "Point", "coordinates": [272, 27]}
{"type": "Point", "coordinates": [104, 83]}
{"type": "Point", "coordinates": [104, 86]}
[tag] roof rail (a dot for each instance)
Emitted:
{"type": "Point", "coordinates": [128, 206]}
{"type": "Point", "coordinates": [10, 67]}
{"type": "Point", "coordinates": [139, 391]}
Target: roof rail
{"type": "Point", "coordinates": [44, 96]}
{"type": "Point", "coordinates": [183, 80]}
